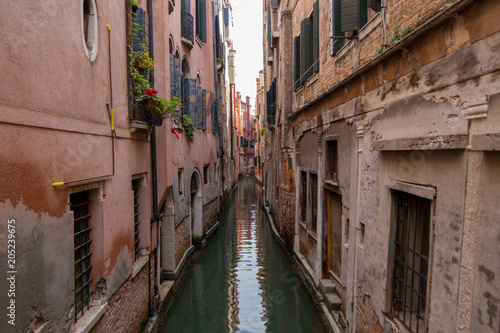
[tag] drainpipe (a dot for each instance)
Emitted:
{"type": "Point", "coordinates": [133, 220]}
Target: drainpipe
{"type": "Point", "coordinates": [154, 169]}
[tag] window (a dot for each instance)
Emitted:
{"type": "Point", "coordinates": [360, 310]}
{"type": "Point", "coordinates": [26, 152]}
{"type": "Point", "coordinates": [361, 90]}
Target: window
{"type": "Point", "coordinates": [307, 48]}
{"type": "Point", "coordinates": [201, 20]}
{"type": "Point", "coordinates": [205, 174]}
{"type": "Point", "coordinates": [187, 23]}
{"type": "Point", "coordinates": [79, 204]}
{"type": "Point", "coordinates": [411, 221]}
{"type": "Point", "coordinates": [314, 201]}
{"type": "Point", "coordinates": [180, 181]}
{"type": "Point", "coordinates": [336, 27]}
{"type": "Point", "coordinates": [136, 183]}
{"type": "Point", "coordinates": [332, 155]}
{"type": "Point", "coordinates": [89, 28]}
{"type": "Point", "coordinates": [303, 195]}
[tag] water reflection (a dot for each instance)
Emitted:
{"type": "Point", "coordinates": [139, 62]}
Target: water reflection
{"type": "Point", "coordinates": [242, 282]}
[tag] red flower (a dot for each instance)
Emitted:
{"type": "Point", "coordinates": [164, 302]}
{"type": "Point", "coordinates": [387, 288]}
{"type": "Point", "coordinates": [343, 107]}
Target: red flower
{"type": "Point", "coordinates": [150, 92]}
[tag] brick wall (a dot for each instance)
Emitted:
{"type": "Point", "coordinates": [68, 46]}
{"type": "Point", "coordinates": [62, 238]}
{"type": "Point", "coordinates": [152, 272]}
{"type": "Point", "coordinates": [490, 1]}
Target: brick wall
{"type": "Point", "coordinates": [210, 214]}
{"type": "Point", "coordinates": [366, 319]}
{"type": "Point", "coordinates": [128, 307]}
{"type": "Point", "coordinates": [182, 239]}
{"type": "Point", "coordinates": [400, 14]}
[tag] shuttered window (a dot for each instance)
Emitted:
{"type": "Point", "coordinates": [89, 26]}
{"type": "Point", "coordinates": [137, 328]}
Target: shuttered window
{"type": "Point", "coordinates": [189, 97]}
{"type": "Point", "coordinates": [315, 37]}
{"type": "Point", "coordinates": [201, 20]}
{"type": "Point", "coordinates": [308, 44]}
{"type": "Point", "coordinates": [354, 14]}
{"type": "Point", "coordinates": [175, 80]}
{"type": "Point", "coordinates": [296, 78]}
{"type": "Point", "coordinates": [337, 31]}
{"type": "Point", "coordinates": [139, 26]}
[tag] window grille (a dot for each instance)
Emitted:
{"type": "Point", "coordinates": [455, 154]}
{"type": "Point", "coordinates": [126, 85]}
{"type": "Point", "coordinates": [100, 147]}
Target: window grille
{"type": "Point", "coordinates": [314, 200]}
{"type": "Point", "coordinates": [180, 181]}
{"type": "Point", "coordinates": [79, 204]}
{"type": "Point", "coordinates": [135, 188]}
{"type": "Point", "coordinates": [411, 259]}
{"type": "Point", "coordinates": [303, 197]}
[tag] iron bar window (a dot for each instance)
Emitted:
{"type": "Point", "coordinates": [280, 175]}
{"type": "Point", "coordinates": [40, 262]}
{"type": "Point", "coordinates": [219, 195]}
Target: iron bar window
{"type": "Point", "coordinates": [135, 187]}
{"type": "Point", "coordinates": [314, 200]}
{"type": "Point", "coordinates": [411, 260]}
{"type": "Point", "coordinates": [303, 195]}
{"type": "Point", "coordinates": [79, 204]}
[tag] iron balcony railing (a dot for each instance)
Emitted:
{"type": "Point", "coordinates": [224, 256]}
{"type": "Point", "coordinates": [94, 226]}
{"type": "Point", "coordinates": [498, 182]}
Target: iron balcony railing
{"type": "Point", "coordinates": [187, 24]}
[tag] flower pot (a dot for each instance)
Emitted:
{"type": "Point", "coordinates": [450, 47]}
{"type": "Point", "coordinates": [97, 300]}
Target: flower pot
{"type": "Point", "coordinates": [156, 120]}
{"type": "Point", "coordinates": [150, 103]}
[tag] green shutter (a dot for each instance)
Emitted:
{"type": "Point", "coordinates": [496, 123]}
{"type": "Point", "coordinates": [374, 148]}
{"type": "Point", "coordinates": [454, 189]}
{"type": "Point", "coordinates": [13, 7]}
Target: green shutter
{"type": "Point", "coordinates": [309, 48]}
{"type": "Point", "coordinates": [204, 109]}
{"type": "Point", "coordinates": [203, 21]}
{"type": "Point", "coordinates": [316, 37]}
{"type": "Point", "coordinates": [296, 51]}
{"type": "Point", "coordinates": [354, 14]}
{"type": "Point", "coordinates": [337, 31]}
{"type": "Point", "coordinates": [199, 108]}
{"type": "Point", "coordinates": [138, 26]}
{"type": "Point", "coordinates": [303, 38]}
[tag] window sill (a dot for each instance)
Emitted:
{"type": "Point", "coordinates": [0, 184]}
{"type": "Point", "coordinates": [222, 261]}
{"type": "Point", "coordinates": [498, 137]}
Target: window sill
{"type": "Point", "coordinates": [138, 264]}
{"type": "Point", "coordinates": [312, 79]}
{"type": "Point", "coordinates": [89, 319]}
{"type": "Point", "coordinates": [198, 41]}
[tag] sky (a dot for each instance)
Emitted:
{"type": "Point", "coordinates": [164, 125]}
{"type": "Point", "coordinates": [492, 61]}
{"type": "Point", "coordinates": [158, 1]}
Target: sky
{"type": "Point", "coordinates": [247, 40]}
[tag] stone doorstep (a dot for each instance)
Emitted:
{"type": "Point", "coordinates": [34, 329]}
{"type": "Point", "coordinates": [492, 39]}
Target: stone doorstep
{"type": "Point", "coordinates": [333, 302]}
{"type": "Point", "coordinates": [327, 286]}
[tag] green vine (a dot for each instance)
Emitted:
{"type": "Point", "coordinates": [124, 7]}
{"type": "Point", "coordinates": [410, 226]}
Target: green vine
{"type": "Point", "coordinates": [188, 126]}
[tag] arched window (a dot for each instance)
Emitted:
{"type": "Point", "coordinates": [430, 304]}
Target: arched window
{"type": "Point", "coordinates": [89, 28]}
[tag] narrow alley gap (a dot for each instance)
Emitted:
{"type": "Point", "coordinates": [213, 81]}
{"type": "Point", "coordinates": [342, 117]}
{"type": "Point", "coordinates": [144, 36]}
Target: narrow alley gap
{"type": "Point", "coordinates": [242, 281]}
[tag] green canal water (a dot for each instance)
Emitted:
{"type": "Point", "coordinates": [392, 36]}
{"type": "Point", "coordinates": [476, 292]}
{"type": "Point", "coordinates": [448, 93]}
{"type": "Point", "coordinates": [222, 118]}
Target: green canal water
{"type": "Point", "coordinates": [242, 281]}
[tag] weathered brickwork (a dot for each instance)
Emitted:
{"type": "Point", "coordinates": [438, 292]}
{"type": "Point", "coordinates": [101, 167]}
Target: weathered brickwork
{"type": "Point", "coordinates": [182, 238]}
{"type": "Point", "coordinates": [287, 198]}
{"type": "Point", "coordinates": [366, 319]}
{"type": "Point", "coordinates": [210, 215]}
{"type": "Point", "coordinates": [403, 17]}
{"type": "Point", "coordinates": [128, 307]}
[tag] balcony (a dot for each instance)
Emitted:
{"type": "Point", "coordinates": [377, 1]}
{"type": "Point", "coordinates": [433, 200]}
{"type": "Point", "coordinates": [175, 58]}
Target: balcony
{"type": "Point", "coordinates": [187, 29]}
{"type": "Point", "coordinates": [139, 118]}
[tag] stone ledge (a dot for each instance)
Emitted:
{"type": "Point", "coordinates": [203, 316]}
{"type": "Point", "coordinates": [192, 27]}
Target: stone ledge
{"type": "Point", "coordinates": [89, 319]}
{"type": "Point", "coordinates": [439, 142]}
{"type": "Point", "coordinates": [138, 264]}
{"type": "Point", "coordinates": [485, 142]}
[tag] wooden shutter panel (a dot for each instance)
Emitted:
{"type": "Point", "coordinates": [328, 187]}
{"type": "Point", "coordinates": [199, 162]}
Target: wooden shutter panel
{"type": "Point", "coordinates": [178, 78]}
{"type": "Point", "coordinates": [185, 96]}
{"type": "Point", "coordinates": [192, 100]}
{"type": "Point", "coordinates": [138, 25]}
{"type": "Point", "coordinates": [226, 15]}
{"type": "Point", "coordinates": [215, 117]}
{"type": "Point", "coordinates": [337, 30]}
{"type": "Point", "coordinates": [204, 109]}
{"type": "Point", "coordinates": [186, 5]}
{"type": "Point", "coordinates": [316, 36]}
{"type": "Point", "coordinates": [302, 50]}
{"type": "Point", "coordinates": [199, 107]}
{"type": "Point", "coordinates": [354, 14]}
{"type": "Point", "coordinates": [296, 51]}
{"type": "Point", "coordinates": [309, 48]}
{"type": "Point", "coordinates": [203, 21]}
{"type": "Point", "coordinates": [173, 87]}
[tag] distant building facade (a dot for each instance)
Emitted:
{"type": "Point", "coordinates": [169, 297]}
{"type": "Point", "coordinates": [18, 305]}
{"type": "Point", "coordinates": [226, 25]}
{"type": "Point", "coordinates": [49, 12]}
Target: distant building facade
{"type": "Point", "coordinates": [388, 123]}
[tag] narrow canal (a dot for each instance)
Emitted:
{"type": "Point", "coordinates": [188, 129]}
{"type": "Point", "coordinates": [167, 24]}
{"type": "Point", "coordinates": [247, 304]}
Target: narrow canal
{"type": "Point", "coordinates": [242, 282]}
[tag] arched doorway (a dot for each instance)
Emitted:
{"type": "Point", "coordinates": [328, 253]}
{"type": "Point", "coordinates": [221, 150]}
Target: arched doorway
{"type": "Point", "coordinates": [196, 207]}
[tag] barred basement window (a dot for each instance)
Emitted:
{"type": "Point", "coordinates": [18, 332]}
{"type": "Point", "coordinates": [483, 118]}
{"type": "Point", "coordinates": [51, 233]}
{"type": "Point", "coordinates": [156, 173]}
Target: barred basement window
{"type": "Point", "coordinates": [79, 204]}
{"type": "Point", "coordinates": [411, 259]}
{"type": "Point", "coordinates": [135, 187]}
